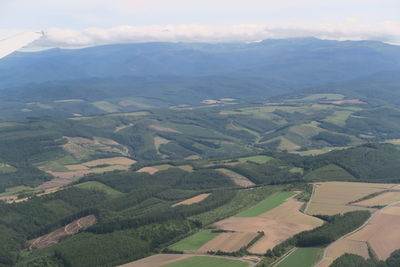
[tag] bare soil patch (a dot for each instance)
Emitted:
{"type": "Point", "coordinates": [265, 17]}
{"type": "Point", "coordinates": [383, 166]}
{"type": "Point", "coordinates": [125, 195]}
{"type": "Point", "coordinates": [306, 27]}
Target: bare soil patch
{"type": "Point", "coordinates": [69, 229]}
{"type": "Point", "coordinates": [192, 200]}
{"type": "Point", "coordinates": [238, 179]}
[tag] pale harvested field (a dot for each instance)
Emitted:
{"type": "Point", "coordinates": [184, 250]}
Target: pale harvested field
{"type": "Point", "coordinates": [163, 167]}
{"type": "Point", "coordinates": [163, 129]}
{"type": "Point", "coordinates": [55, 183]}
{"type": "Point", "coordinates": [382, 232]}
{"type": "Point", "coordinates": [193, 157]}
{"type": "Point", "coordinates": [79, 170]}
{"type": "Point", "coordinates": [55, 236]}
{"type": "Point", "coordinates": [278, 224]}
{"type": "Point", "coordinates": [228, 242]}
{"type": "Point", "coordinates": [333, 197]}
{"type": "Point", "coordinates": [157, 260]}
{"type": "Point", "coordinates": [187, 168]}
{"type": "Point", "coordinates": [189, 201]}
{"type": "Point", "coordinates": [380, 200]}
{"type": "Point", "coordinates": [149, 170]}
{"type": "Point", "coordinates": [237, 178]}
{"type": "Point", "coordinates": [158, 141]}
{"type": "Point", "coordinates": [110, 161]}
{"type": "Point", "coordinates": [344, 246]}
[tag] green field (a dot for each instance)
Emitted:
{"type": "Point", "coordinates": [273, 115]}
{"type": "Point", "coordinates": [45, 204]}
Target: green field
{"type": "Point", "coordinates": [301, 257]}
{"type": "Point", "coordinates": [194, 241]}
{"type": "Point", "coordinates": [267, 204]}
{"type": "Point", "coordinates": [330, 172]}
{"type": "Point", "coordinates": [99, 186]}
{"type": "Point", "coordinates": [261, 159]}
{"type": "Point", "coordinates": [204, 261]}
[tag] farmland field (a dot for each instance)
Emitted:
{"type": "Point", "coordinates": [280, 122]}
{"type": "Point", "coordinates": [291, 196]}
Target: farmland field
{"type": "Point", "coordinates": [228, 242]}
{"type": "Point", "coordinates": [266, 205]}
{"type": "Point", "coordinates": [382, 232]}
{"type": "Point", "coordinates": [256, 159]}
{"type": "Point", "coordinates": [156, 260]}
{"type": "Point", "coordinates": [192, 200]}
{"type": "Point", "coordinates": [333, 197]}
{"type": "Point", "coordinates": [301, 257]}
{"type": "Point", "coordinates": [380, 200]}
{"type": "Point", "coordinates": [238, 179]}
{"type": "Point", "coordinates": [343, 246]}
{"type": "Point", "coordinates": [278, 225]}
{"type": "Point", "coordinates": [99, 186]}
{"type": "Point", "coordinates": [195, 241]}
{"type": "Point", "coordinates": [204, 261]}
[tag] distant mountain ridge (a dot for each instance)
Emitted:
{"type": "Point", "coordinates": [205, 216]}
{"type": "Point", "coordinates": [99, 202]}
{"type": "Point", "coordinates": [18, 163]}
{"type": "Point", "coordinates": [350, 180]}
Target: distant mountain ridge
{"type": "Point", "coordinates": [165, 74]}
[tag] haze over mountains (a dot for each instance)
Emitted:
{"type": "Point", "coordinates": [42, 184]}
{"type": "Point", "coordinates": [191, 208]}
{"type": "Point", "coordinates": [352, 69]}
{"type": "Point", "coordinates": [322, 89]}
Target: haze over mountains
{"type": "Point", "coordinates": [165, 74]}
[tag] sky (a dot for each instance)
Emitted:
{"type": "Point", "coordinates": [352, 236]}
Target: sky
{"type": "Point", "coordinates": [77, 23]}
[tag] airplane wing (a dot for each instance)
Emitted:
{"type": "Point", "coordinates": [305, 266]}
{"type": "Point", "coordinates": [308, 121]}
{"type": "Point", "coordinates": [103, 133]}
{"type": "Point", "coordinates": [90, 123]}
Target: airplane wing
{"type": "Point", "coordinates": [11, 44]}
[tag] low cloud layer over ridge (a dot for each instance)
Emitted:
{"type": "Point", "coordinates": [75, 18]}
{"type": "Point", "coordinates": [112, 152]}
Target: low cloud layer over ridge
{"type": "Point", "coordinates": [388, 32]}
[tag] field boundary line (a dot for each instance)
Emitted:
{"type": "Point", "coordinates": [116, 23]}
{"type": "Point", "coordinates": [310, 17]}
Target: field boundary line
{"type": "Point", "coordinates": [354, 231]}
{"type": "Point", "coordinates": [284, 257]}
{"type": "Point", "coordinates": [309, 201]}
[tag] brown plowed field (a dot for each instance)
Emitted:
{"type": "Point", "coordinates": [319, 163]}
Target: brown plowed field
{"type": "Point", "coordinates": [228, 242]}
{"type": "Point", "coordinates": [237, 178]}
{"type": "Point", "coordinates": [333, 197]}
{"type": "Point", "coordinates": [195, 199]}
{"type": "Point", "coordinates": [382, 232]}
{"type": "Point", "coordinates": [278, 225]}
{"type": "Point", "coordinates": [345, 246]}
{"type": "Point", "coordinates": [380, 200]}
{"type": "Point", "coordinates": [156, 260]}
{"type": "Point", "coordinates": [55, 236]}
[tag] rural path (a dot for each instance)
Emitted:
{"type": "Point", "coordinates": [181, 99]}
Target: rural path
{"type": "Point", "coordinates": [352, 232]}
{"type": "Point", "coordinates": [309, 201]}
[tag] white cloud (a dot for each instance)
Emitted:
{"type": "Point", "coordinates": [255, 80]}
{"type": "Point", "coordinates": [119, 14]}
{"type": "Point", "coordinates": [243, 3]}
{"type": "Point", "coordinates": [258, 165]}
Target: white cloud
{"type": "Point", "coordinates": [388, 31]}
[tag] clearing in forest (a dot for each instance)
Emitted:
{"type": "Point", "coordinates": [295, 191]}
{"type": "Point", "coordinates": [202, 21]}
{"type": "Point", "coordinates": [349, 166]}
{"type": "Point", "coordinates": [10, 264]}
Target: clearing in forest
{"type": "Point", "coordinates": [195, 241]}
{"type": "Point", "coordinates": [238, 179]}
{"type": "Point", "coordinates": [192, 200]}
{"type": "Point", "coordinates": [69, 229]}
{"type": "Point", "coordinates": [331, 198]}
